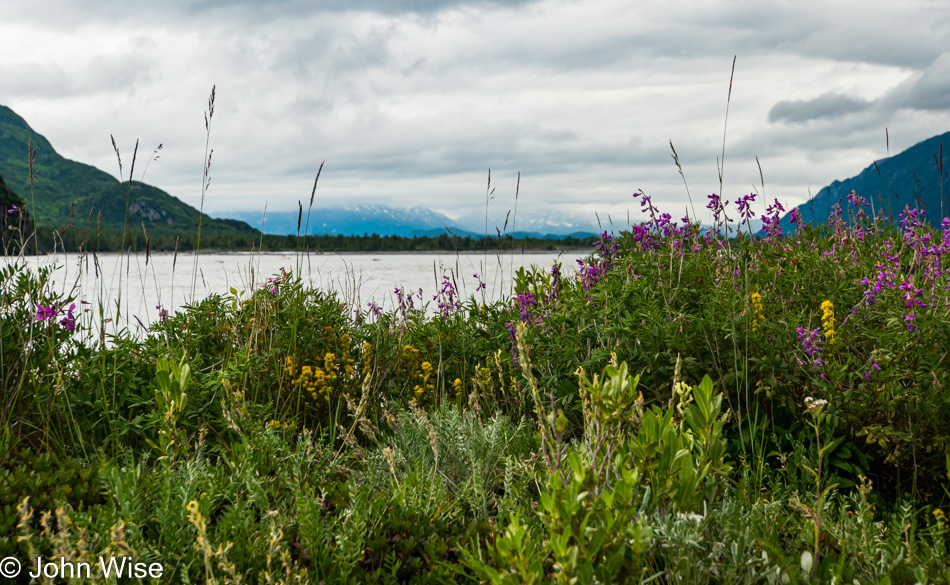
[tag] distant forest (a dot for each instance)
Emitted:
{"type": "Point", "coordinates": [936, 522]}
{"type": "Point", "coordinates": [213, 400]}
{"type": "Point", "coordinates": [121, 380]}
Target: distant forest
{"type": "Point", "coordinates": [73, 240]}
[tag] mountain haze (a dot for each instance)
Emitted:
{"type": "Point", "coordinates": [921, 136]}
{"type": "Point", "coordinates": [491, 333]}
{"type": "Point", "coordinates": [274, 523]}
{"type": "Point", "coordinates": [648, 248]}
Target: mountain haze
{"type": "Point", "coordinates": [384, 220]}
{"type": "Point", "coordinates": [351, 221]}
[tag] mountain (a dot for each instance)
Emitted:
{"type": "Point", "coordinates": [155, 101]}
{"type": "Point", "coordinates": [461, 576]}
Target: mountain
{"type": "Point", "coordinates": [349, 221]}
{"type": "Point", "coordinates": [911, 177]}
{"type": "Point", "coordinates": [8, 199]}
{"type": "Point", "coordinates": [551, 223]}
{"type": "Point", "coordinates": [384, 220]}
{"type": "Point", "coordinates": [66, 191]}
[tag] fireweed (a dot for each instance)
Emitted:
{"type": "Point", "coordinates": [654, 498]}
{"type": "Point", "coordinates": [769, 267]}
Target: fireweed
{"type": "Point", "coordinates": [49, 315]}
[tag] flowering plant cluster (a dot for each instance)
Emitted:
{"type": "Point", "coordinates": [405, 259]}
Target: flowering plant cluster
{"type": "Point", "coordinates": [448, 298]}
{"type": "Point", "coordinates": [51, 316]}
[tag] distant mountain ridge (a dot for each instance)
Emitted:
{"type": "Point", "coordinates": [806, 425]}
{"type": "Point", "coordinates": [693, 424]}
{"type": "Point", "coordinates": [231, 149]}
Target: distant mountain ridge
{"type": "Point", "coordinates": [66, 191]}
{"type": "Point", "coordinates": [912, 177]}
{"type": "Point", "coordinates": [354, 220]}
{"type": "Point", "coordinates": [384, 220]}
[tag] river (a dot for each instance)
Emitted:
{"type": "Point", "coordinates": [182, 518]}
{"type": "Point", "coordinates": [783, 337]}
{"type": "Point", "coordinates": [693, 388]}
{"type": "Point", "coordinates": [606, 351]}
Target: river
{"type": "Point", "coordinates": [130, 287]}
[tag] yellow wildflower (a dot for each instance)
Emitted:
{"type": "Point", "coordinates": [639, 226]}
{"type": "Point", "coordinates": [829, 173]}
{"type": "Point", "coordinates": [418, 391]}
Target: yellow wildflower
{"type": "Point", "coordinates": [941, 519]}
{"type": "Point", "coordinates": [758, 315]}
{"type": "Point", "coordinates": [828, 321]}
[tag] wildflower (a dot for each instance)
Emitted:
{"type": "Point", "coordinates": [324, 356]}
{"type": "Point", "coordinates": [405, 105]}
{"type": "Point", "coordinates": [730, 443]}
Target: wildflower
{"type": "Point", "coordinates": [811, 342]}
{"type": "Point", "coordinates": [857, 200]}
{"type": "Point", "coordinates": [45, 313]}
{"type": "Point", "coordinates": [374, 308]}
{"type": "Point", "coordinates": [448, 298]}
{"type": "Point", "coordinates": [457, 385]}
{"type": "Point", "coordinates": [512, 328]}
{"type": "Point", "coordinates": [69, 321]}
{"type": "Point", "coordinates": [874, 366]}
{"type": "Point", "coordinates": [814, 405]}
{"type": "Point", "coordinates": [13, 209]}
{"type": "Point", "coordinates": [162, 314]}
{"type": "Point", "coordinates": [481, 285]}
{"type": "Point", "coordinates": [744, 204]}
{"type": "Point", "coordinates": [941, 519]}
{"type": "Point", "coordinates": [910, 295]}
{"type": "Point", "coordinates": [717, 206]}
{"type": "Point", "coordinates": [758, 316]}
{"type": "Point", "coordinates": [770, 221]}
{"type": "Point", "coordinates": [828, 321]}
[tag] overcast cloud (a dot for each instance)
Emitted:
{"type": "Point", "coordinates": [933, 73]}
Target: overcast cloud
{"type": "Point", "coordinates": [410, 102]}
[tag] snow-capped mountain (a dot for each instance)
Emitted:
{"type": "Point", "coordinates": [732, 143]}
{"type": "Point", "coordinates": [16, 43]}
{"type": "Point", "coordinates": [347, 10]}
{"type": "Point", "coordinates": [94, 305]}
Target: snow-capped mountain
{"type": "Point", "coordinates": [384, 220]}
{"type": "Point", "coordinates": [347, 221]}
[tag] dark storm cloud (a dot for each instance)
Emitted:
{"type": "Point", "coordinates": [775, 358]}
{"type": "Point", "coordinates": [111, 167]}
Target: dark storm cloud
{"type": "Point", "coordinates": [827, 106]}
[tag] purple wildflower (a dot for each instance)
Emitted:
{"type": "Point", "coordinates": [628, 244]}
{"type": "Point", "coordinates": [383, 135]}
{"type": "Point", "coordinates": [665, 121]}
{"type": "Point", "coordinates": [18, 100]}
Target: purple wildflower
{"type": "Point", "coordinates": [874, 366]}
{"type": "Point", "coordinates": [811, 342]}
{"type": "Point", "coordinates": [744, 204]}
{"type": "Point", "coordinates": [374, 308]}
{"type": "Point", "coordinates": [69, 321]}
{"type": "Point", "coordinates": [481, 284]}
{"type": "Point", "coordinates": [447, 297]}
{"type": "Point", "coordinates": [45, 313]}
{"type": "Point", "coordinates": [857, 200]}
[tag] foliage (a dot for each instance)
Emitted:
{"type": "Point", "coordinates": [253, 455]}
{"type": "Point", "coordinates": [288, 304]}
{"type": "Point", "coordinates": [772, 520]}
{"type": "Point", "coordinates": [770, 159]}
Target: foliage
{"type": "Point", "coordinates": [766, 384]}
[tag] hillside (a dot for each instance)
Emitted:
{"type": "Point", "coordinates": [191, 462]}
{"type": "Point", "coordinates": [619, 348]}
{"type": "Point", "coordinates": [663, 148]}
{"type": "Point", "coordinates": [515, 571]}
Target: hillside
{"type": "Point", "coordinates": [908, 178]}
{"type": "Point", "coordinates": [66, 191]}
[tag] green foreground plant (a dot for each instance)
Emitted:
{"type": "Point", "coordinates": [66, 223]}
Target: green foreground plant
{"type": "Point", "coordinates": [299, 442]}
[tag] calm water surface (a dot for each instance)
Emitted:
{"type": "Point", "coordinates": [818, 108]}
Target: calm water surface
{"type": "Point", "coordinates": [131, 289]}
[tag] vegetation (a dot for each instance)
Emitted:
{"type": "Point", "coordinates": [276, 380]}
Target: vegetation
{"type": "Point", "coordinates": [113, 241]}
{"type": "Point", "coordinates": [684, 409]}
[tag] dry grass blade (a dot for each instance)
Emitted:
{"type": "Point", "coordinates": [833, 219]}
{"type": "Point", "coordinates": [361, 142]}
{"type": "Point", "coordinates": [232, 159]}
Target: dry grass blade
{"type": "Point", "coordinates": [118, 156]}
{"type": "Point", "coordinates": [299, 216]}
{"type": "Point", "coordinates": [761, 175]}
{"type": "Point", "coordinates": [317, 178]}
{"type": "Point", "coordinates": [679, 167]}
{"type": "Point", "coordinates": [722, 158]}
{"type": "Point", "coordinates": [205, 183]}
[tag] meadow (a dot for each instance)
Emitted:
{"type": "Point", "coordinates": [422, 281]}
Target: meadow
{"type": "Point", "coordinates": [696, 405]}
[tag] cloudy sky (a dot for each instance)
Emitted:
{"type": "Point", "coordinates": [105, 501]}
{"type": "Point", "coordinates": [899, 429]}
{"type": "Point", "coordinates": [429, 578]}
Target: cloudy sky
{"type": "Point", "coordinates": [410, 102]}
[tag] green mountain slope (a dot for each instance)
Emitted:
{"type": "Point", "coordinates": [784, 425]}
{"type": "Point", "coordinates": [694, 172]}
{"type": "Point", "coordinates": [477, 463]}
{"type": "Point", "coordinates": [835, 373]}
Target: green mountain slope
{"type": "Point", "coordinates": [66, 191]}
{"type": "Point", "coordinates": [8, 198]}
{"type": "Point", "coordinates": [911, 177]}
